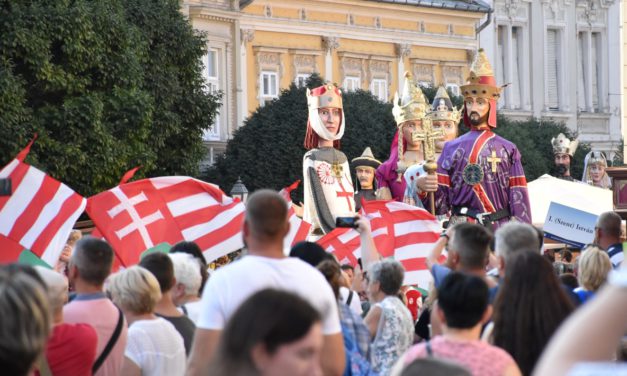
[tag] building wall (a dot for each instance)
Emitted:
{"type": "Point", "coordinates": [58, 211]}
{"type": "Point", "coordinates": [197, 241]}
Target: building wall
{"type": "Point", "coordinates": [366, 40]}
{"type": "Point", "coordinates": [562, 59]}
{"type": "Point", "coordinates": [370, 42]}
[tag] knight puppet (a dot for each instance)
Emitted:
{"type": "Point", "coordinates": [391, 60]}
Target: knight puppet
{"type": "Point", "coordinates": [409, 112]}
{"type": "Point", "coordinates": [479, 174]}
{"type": "Point", "coordinates": [328, 187]}
{"type": "Point", "coordinates": [365, 167]}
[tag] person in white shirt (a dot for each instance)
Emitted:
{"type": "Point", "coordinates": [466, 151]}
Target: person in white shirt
{"type": "Point", "coordinates": [265, 266]}
{"type": "Point", "coordinates": [154, 346]}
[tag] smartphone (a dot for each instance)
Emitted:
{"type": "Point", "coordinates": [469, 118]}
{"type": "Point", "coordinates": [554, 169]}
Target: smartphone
{"type": "Point", "coordinates": [5, 187]}
{"type": "Point", "coordinates": [346, 222]}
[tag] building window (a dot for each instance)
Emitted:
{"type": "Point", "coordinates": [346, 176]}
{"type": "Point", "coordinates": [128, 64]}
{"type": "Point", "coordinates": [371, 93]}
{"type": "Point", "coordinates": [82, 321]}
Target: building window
{"type": "Point", "coordinates": [509, 67]}
{"type": "Point", "coordinates": [269, 84]}
{"type": "Point", "coordinates": [352, 83]}
{"type": "Point", "coordinates": [454, 89]}
{"type": "Point", "coordinates": [379, 88]}
{"type": "Point", "coordinates": [553, 68]}
{"type": "Point", "coordinates": [589, 71]}
{"type": "Point", "coordinates": [301, 79]}
{"type": "Point", "coordinates": [212, 77]}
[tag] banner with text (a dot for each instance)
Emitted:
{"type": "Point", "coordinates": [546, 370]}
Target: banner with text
{"type": "Point", "coordinates": [569, 225]}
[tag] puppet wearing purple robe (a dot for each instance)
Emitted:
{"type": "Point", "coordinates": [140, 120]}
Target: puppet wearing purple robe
{"type": "Point", "coordinates": [480, 174]}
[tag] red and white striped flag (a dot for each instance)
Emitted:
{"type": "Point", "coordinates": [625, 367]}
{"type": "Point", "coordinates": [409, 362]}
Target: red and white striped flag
{"type": "Point", "coordinates": [399, 230]}
{"type": "Point", "coordinates": [137, 216]}
{"type": "Point", "coordinates": [40, 213]}
{"type": "Point", "coordinates": [298, 228]}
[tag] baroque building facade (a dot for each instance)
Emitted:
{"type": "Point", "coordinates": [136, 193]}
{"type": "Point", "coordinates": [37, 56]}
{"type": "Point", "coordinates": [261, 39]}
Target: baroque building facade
{"type": "Point", "coordinates": [258, 47]}
{"type": "Point", "coordinates": [561, 59]}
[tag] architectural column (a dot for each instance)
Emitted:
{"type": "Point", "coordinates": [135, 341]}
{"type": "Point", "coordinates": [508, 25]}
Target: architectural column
{"type": "Point", "coordinates": [509, 72]}
{"type": "Point", "coordinates": [246, 36]}
{"type": "Point", "coordinates": [589, 71]}
{"type": "Point", "coordinates": [329, 44]}
{"type": "Point", "coordinates": [402, 51]}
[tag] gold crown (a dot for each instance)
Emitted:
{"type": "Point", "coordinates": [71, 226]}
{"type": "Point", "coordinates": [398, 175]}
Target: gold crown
{"type": "Point", "coordinates": [412, 105]}
{"type": "Point", "coordinates": [481, 82]}
{"type": "Point", "coordinates": [562, 145]}
{"type": "Point", "coordinates": [324, 96]}
{"type": "Point", "coordinates": [442, 108]}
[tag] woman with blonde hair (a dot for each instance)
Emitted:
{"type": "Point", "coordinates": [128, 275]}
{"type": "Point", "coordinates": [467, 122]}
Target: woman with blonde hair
{"type": "Point", "coordinates": [154, 346]}
{"type": "Point", "coordinates": [594, 266]}
{"type": "Point", "coordinates": [594, 170]}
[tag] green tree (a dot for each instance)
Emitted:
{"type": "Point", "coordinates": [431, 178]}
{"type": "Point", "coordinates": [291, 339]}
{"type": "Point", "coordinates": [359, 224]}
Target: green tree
{"type": "Point", "coordinates": [533, 139]}
{"type": "Point", "coordinates": [107, 86]}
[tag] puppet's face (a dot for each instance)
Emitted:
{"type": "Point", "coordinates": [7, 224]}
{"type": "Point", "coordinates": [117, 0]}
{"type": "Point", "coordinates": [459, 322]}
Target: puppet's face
{"type": "Point", "coordinates": [409, 128]}
{"type": "Point", "coordinates": [477, 110]}
{"type": "Point", "coordinates": [365, 175]}
{"type": "Point", "coordinates": [449, 128]}
{"type": "Point", "coordinates": [331, 118]}
{"type": "Point", "coordinates": [597, 170]}
{"type": "Point", "coordinates": [562, 159]}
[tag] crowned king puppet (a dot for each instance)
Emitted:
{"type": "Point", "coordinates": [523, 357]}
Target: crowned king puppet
{"type": "Point", "coordinates": [479, 175]}
{"type": "Point", "coordinates": [563, 153]}
{"type": "Point", "coordinates": [365, 167]}
{"type": "Point", "coordinates": [406, 151]}
{"type": "Point", "coordinates": [328, 187]}
{"type": "Point", "coordinates": [443, 120]}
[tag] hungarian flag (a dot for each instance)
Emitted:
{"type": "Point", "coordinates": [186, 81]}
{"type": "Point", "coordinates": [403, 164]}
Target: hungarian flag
{"type": "Point", "coordinates": [299, 229]}
{"type": "Point", "coordinates": [399, 230]}
{"type": "Point", "coordinates": [38, 215]}
{"type": "Point", "coordinates": [137, 216]}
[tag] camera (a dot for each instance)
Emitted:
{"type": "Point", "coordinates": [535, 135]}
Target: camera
{"type": "Point", "coordinates": [346, 222]}
{"type": "Point", "coordinates": [5, 187]}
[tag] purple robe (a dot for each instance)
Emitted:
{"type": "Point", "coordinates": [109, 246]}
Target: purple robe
{"type": "Point", "coordinates": [505, 188]}
{"type": "Point", "coordinates": [386, 177]}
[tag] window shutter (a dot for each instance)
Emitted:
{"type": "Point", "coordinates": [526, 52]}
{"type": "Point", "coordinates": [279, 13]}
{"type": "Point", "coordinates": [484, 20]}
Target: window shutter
{"type": "Point", "coordinates": [552, 73]}
{"type": "Point", "coordinates": [595, 48]}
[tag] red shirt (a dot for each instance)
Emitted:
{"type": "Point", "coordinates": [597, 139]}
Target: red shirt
{"type": "Point", "coordinates": [71, 349]}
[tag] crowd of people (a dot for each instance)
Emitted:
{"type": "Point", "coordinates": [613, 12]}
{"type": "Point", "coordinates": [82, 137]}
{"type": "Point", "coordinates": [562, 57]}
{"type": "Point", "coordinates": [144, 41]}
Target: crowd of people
{"type": "Point", "coordinates": [498, 307]}
{"type": "Point", "coordinates": [501, 302]}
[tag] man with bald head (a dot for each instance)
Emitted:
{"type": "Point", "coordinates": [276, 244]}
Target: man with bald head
{"type": "Point", "coordinates": [264, 266]}
{"type": "Point", "coordinates": [607, 236]}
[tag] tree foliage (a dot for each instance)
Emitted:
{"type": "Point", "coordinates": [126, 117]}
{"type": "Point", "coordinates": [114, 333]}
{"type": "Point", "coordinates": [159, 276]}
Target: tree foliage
{"type": "Point", "coordinates": [107, 86]}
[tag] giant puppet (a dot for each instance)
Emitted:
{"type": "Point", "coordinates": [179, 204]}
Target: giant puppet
{"type": "Point", "coordinates": [328, 187]}
{"type": "Point", "coordinates": [479, 174]}
{"type": "Point", "coordinates": [563, 153]}
{"type": "Point", "coordinates": [365, 166]}
{"type": "Point", "coordinates": [444, 120]}
{"type": "Point", "coordinates": [594, 172]}
{"type": "Point", "coordinates": [409, 112]}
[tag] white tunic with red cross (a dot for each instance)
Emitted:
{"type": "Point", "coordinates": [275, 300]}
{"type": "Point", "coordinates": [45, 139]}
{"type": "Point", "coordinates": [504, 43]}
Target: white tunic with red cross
{"type": "Point", "coordinates": [328, 189]}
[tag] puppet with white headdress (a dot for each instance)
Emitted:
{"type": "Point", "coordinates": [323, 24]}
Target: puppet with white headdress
{"type": "Point", "coordinates": [328, 187]}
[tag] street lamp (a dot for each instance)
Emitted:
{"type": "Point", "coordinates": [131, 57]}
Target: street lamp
{"type": "Point", "coordinates": [239, 190]}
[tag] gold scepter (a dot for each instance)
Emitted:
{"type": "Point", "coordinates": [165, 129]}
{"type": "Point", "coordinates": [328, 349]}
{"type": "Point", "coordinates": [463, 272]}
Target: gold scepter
{"type": "Point", "coordinates": [428, 137]}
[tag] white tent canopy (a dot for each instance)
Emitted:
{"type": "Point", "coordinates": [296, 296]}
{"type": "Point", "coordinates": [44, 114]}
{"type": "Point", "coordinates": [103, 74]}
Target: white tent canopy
{"type": "Point", "coordinates": [578, 195]}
